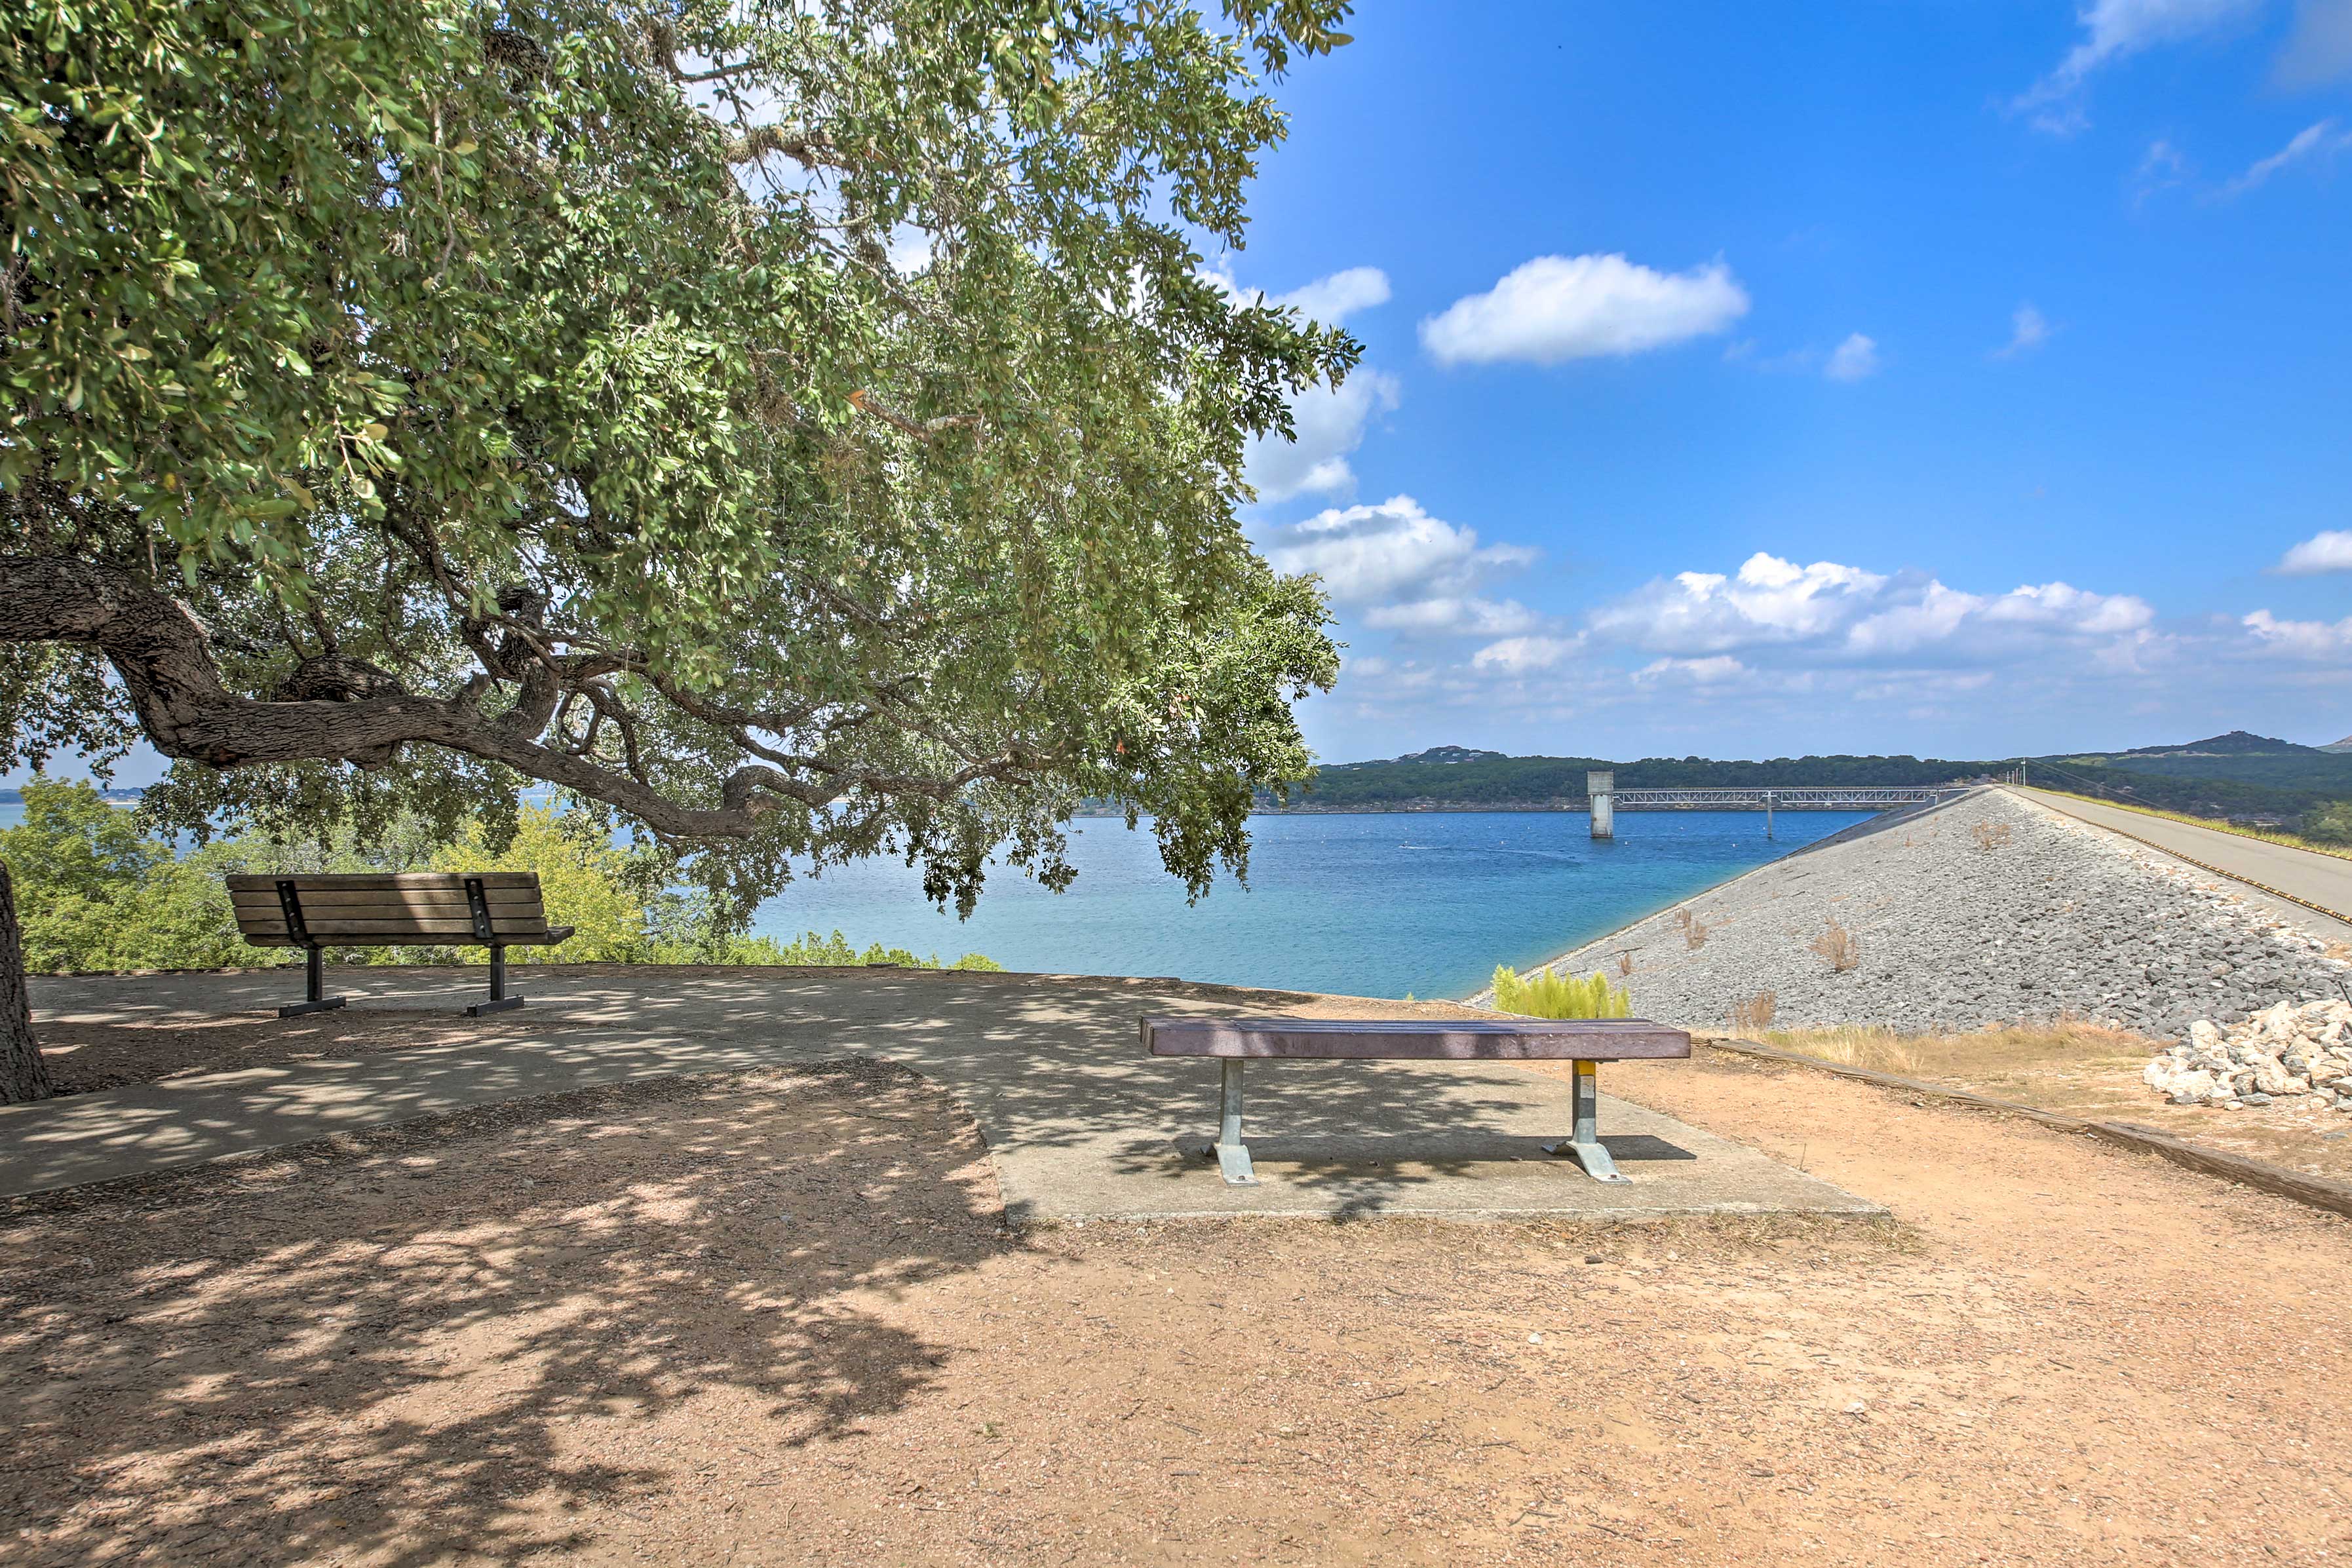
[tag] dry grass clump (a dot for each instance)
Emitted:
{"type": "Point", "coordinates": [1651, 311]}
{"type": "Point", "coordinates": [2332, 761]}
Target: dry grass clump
{"type": "Point", "coordinates": [1754, 1016]}
{"type": "Point", "coordinates": [1842, 948]}
{"type": "Point", "coordinates": [1967, 1053]}
{"type": "Point", "coordinates": [1625, 962]}
{"type": "Point", "coordinates": [1694, 930]}
{"type": "Point", "coordinates": [1991, 836]}
{"type": "Point", "coordinates": [1872, 1046]}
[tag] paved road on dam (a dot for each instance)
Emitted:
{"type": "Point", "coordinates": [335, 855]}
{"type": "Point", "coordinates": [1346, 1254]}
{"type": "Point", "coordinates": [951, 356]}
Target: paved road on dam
{"type": "Point", "coordinates": [2322, 880]}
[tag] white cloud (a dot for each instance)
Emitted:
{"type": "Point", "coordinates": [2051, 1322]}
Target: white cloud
{"type": "Point", "coordinates": [1329, 423]}
{"type": "Point", "coordinates": [1455, 615]}
{"type": "Point", "coordinates": [2327, 551]}
{"type": "Point", "coordinates": [1388, 553]}
{"type": "Point", "coordinates": [1831, 613]}
{"type": "Point", "coordinates": [1853, 360]}
{"type": "Point", "coordinates": [1698, 612]}
{"type": "Point", "coordinates": [1559, 308]}
{"type": "Point", "coordinates": [2318, 142]}
{"type": "Point", "coordinates": [1524, 655]}
{"type": "Point", "coordinates": [2114, 29]}
{"type": "Point", "coordinates": [2028, 330]}
{"type": "Point", "coordinates": [2320, 49]}
{"type": "Point", "coordinates": [2301, 639]}
{"type": "Point", "coordinates": [2161, 168]}
{"type": "Point", "coordinates": [910, 250]}
{"type": "Point", "coordinates": [1711, 671]}
{"type": "Point", "coordinates": [1331, 300]}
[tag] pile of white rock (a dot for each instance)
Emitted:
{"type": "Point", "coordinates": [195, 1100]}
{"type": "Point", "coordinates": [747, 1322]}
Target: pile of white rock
{"type": "Point", "coordinates": [2291, 1055]}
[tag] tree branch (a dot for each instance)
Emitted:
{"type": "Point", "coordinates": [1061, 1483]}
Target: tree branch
{"type": "Point", "coordinates": [163, 656]}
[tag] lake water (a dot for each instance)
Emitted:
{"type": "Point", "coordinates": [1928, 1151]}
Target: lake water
{"type": "Point", "coordinates": [1370, 906]}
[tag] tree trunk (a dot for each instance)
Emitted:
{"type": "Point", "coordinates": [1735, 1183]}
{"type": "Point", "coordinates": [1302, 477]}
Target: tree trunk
{"type": "Point", "coordinates": [23, 1074]}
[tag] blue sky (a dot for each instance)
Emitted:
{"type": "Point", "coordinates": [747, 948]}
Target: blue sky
{"type": "Point", "coordinates": [1969, 378]}
{"type": "Point", "coordinates": [1961, 377]}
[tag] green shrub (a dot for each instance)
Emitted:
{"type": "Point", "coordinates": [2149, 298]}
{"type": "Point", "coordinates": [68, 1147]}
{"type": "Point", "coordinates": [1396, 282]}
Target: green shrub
{"type": "Point", "coordinates": [812, 950]}
{"type": "Point", "coordinates": [2330, 824]}
{"type": "Point", "coordinates": [93, 893]}
{"type": "Point", "coordinates": [1546, 995]}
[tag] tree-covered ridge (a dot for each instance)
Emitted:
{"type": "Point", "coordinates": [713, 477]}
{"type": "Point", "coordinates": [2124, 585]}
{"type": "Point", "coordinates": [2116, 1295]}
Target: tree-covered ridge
{"type": "Point", "coordinates": [1490, 780]}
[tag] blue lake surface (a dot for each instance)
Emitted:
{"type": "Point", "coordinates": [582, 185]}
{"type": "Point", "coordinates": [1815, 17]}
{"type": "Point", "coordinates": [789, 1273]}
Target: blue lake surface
{"type": "Point", "coordinates": [1374, 905]}
{"type": "Point", "coordinates": [1370, 906]}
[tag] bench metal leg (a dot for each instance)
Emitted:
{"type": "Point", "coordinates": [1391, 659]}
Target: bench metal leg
{"type": "Point", "coordinates": [1233, 1154]}
{"type": "Point", "coordinates": [499, 1002]}
{"type": "Point", "coordinates": [1585, 1145]}
{"type": "Point", "coordinates": [314, 989]}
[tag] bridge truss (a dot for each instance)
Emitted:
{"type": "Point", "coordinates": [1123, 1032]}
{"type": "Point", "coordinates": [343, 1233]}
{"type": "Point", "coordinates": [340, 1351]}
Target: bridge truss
{"type": "Point", "coordinates": [1874, 798]}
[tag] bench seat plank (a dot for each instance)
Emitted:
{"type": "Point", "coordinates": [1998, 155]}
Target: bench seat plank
{"type": "Point", "coordinates": [552, 936]}
{"type": "Point", "coordinates": [1516, 1040]}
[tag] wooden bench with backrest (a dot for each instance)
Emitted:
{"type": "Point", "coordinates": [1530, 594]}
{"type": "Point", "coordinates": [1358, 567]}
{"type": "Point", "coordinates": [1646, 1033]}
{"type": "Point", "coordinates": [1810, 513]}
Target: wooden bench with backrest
{"type": "Point", "coordinates": [1583, 1041]}
{"type": "Point", "coordinates": [495, 909]}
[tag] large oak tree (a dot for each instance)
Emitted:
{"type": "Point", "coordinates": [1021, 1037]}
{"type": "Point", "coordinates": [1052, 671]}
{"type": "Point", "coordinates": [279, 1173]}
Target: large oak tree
{"type": "Point", "coordinates": [801, 428]}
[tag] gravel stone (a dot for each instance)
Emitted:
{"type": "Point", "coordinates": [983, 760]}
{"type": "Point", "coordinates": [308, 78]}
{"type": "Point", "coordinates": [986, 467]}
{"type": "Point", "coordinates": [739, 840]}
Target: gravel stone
{"type": "Point", "coordinates": [1960, 929]}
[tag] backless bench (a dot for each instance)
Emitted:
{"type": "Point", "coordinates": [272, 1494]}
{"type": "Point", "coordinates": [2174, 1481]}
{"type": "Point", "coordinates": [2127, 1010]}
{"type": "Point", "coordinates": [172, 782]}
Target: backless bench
{"type": "Point", "coordinates": [495, 909]}
{"type": "Point", "coordinates": [1584, 1041]}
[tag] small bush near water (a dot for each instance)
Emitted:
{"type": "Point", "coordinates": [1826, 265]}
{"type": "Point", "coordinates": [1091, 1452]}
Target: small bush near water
{"type": "Point", "coordinates": [1546, 995]}
{"type": "Point", "coordinates": [94, 894]}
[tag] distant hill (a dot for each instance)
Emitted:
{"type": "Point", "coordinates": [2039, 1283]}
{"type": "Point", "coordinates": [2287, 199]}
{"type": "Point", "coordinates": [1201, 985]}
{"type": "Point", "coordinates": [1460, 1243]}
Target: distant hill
{"type": "Point", "coordinates": [2237, 743]}
{"type": "Point", "coordinates": [1446, 754]}
{"type": "Point", "coordinates": [2301, 776]}
{"type": "Point", "coordinates": [2343, 744]}
{"type": "Point", "coordinates": [118, 794]}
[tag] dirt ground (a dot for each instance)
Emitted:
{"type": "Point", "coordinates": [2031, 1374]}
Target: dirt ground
{"type": "Point", "coordinates": [777, 1318]}
{"type": "Point", "coordinates": [83, 1057]}
{"type": "Point", "coordinates": [2091, 1074]}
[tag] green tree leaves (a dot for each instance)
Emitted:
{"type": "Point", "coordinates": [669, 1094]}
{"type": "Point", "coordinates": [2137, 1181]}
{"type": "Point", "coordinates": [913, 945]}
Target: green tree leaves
{"type": "Point", "coordinates": [801, 426]}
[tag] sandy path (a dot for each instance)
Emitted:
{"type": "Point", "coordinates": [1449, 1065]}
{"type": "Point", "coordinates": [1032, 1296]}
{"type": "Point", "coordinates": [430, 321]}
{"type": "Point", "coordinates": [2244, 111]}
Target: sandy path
{"type": "Point", "coordinates": [776, 1318]}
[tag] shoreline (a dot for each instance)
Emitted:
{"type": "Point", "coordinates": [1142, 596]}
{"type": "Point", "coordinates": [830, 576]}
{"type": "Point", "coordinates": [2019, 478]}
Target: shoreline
{"type": "Point", "coordinates": [1879, 823]}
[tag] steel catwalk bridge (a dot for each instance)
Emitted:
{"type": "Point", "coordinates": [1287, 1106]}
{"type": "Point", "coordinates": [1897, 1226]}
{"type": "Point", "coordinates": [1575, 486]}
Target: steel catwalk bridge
{"type": "Point", "coordinates": [1858, 798]}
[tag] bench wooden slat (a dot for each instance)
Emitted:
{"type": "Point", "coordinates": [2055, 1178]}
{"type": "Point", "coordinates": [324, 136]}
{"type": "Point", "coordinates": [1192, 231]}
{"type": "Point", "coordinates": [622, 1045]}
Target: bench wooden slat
{"type": "Point", "coordinates": [416, 897]}
{"type": "Point", "coordinates": [424, 930]}
{"type": "Point", "coordinates": [381, 882]}
{"type": "Point", "coordinates": [378, 907]}
{"type": "Point", "coordinates": [1515, 1039]}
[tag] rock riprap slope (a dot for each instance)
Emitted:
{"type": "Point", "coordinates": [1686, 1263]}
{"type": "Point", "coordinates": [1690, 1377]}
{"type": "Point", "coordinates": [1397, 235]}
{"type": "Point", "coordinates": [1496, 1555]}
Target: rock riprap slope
{"type": "Point", "coordinates": [1990, 910]}
{"type": "Point", "coordinates": [2285, 1052]}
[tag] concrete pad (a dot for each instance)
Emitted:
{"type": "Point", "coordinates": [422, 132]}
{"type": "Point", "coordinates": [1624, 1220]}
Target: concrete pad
{"type": "Point", "coordinates": [1079, 1122]}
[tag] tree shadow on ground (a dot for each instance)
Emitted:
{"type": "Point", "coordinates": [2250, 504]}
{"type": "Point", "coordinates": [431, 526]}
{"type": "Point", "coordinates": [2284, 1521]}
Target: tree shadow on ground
{"type": "Point", "coordinates": [444, 1338]}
